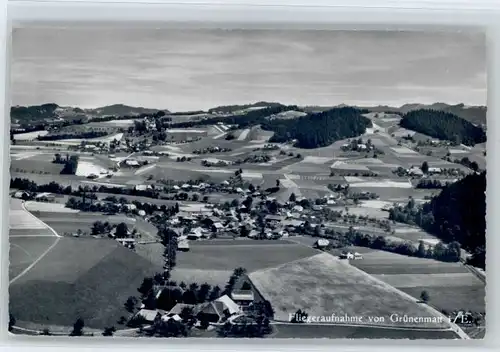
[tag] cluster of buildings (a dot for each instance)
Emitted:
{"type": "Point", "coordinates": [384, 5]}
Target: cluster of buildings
{"type": "Point", "coordinates": [232, 308]}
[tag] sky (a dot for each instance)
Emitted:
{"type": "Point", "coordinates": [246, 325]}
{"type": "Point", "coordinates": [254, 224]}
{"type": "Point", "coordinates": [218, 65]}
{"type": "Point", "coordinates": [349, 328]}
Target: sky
{"type": "Point", "coordinates": [192, 69]}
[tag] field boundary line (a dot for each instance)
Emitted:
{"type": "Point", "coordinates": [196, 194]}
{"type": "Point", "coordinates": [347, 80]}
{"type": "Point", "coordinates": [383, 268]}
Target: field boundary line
{"type": "Point", "coordinates": [33, 216]}
{"type": "Point", "coordinates": [25, 271]}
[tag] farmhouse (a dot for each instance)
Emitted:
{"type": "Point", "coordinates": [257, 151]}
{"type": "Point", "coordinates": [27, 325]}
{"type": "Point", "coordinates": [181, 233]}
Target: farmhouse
{"type": "Point", "coordinates": [415, 171]}
{"type": "Point", "coordinates": [177, 309]}
{"type": "Point", "coordinates": [21, 195]}
{"type": "Point", "coordinates": [149, 315]}
{"type": "Point", "coordinates": [133, 163]}
{"type": "Point", "coordinates": [214, 312]}
{"type": "Point", "coordinates": [45, 197]}
{"type": "Point", "coordinates": [243, 297]}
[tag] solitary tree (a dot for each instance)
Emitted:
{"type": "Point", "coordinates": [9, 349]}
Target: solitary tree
{"type": "Point", "coordinates": [130, 304]}
{"type": "Point", "coordinates": [109, 331]}
{"type": "Point", "coordinates": [421, 249]}
{"type": "Point", "coordinates": [424, 296]}
{"type": "Point", "coordinates": [121, 230]}
{"type": "Point", "coordinates": [78, 328]}
{"type": "Point", "coordinates": [425, 167]}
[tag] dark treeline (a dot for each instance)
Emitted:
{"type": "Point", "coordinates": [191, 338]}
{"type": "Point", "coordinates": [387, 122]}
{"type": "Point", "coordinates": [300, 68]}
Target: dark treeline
{"type": "Point", "coordinates": [432, 184]}
{"type": "Point", "coordinates": [456, 214]}
{"type": "Point", "coordinates": [233, 108]}
{"type": "Point", "coordinates": [90, 134]}
{"type": "Point", "coordinates": [251, 118]}
{"type": "Point", "coordinates": [443, 125]}
{"type": "Point", "coordinates": [25, 184]}
{"type": "Point", "coordinates": [321, 129]}
{"type": "Point", "coordinates": [442, 252]}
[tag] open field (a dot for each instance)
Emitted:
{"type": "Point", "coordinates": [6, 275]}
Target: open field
{"type": "Point", "coordinates": [200, 276]}
{"type": "Point", "coordinates": [79, 278]}
{"type": "Point", "coordinates": [28, 165]}
{"type": "Point", "coordinates": [250, 256]}
{"type": "Point", "coordinates": [28, 136]}
{"type": "Point", "coordinates": [323, 285]}
{"type": "Point", "coordinates": [450, 285]}
{"type": "Point", "coordinates": [451, 298]}
{"type": "Point", "coordinates": [48, 207]}
{"type": "Point", "coordinates": [25, 250]}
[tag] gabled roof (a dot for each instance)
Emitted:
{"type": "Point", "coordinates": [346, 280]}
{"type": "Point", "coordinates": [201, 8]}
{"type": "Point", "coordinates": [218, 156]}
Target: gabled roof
{"type": "Point", "coordinates": [177, 309]}
{"type": "Point", "coordinates": [229, 304]}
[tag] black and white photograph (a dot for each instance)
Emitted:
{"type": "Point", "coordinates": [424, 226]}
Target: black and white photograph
{"type": "Point", "coordinates": [247, 183]}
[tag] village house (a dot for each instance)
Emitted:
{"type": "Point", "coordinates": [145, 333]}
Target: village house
{"type": "Point", "coordinates": [321, 243]}
{"type": "Point", "coordinates": [434, 170]}
{"type": "Point", "coordinates": [143, 187]}
{"type": "Point", "coordinates": [131, 162]}
{"type": "Point", "coordinates": [217, 227]}
{"type": "Point", "coordinates": [273, 218]}
{"type": "Point", "coordinates": [196, 234]}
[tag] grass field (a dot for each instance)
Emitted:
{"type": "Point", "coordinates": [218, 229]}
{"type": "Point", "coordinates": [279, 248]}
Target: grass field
{"type": "Point", "coordinates": [25, 250]}
{"type": "Point", "coordinates": [70, 222]}
{"type": "Point", "coordinates": [324, 285]}
{"type": "Point", "coordinates": [450, 285]}
{"type": "Point", "coordinates": [27, 165]}
{"type": "Point", "coordinates": [451, 298]}
{"type": "Point", "coordinates": [250, 256]}
{"type": "Point", "coordinates": [79, 278]}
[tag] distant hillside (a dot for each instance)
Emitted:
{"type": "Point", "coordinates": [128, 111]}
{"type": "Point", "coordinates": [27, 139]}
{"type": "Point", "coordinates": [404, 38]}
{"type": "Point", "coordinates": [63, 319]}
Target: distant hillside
{"type": "Point", "coordinates": [321, 129]}
{"type": "Point", "coordinates": [228, 109]}
{"type": "Point", "coordinates": [45, 113]}
{"type": "Point", "coordinates": [473, 114]}
{"type": "Point", "coordinates": [121, 110]}
{"type": "Point", "coordinates": [27, 114]}
{"type": "Point", "coordinates": [443, 125]}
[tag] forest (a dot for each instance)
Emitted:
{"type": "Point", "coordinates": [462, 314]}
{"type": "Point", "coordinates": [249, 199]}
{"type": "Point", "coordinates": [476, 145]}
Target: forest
{"type": "Point", "coordinates": [26, 114]}
{"type": "Point", "coordinates": [443, 125]}
{"type": "Point", "coordinates": [320, 129]}
{"type": "Point", "coordinates": [458, 214]}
